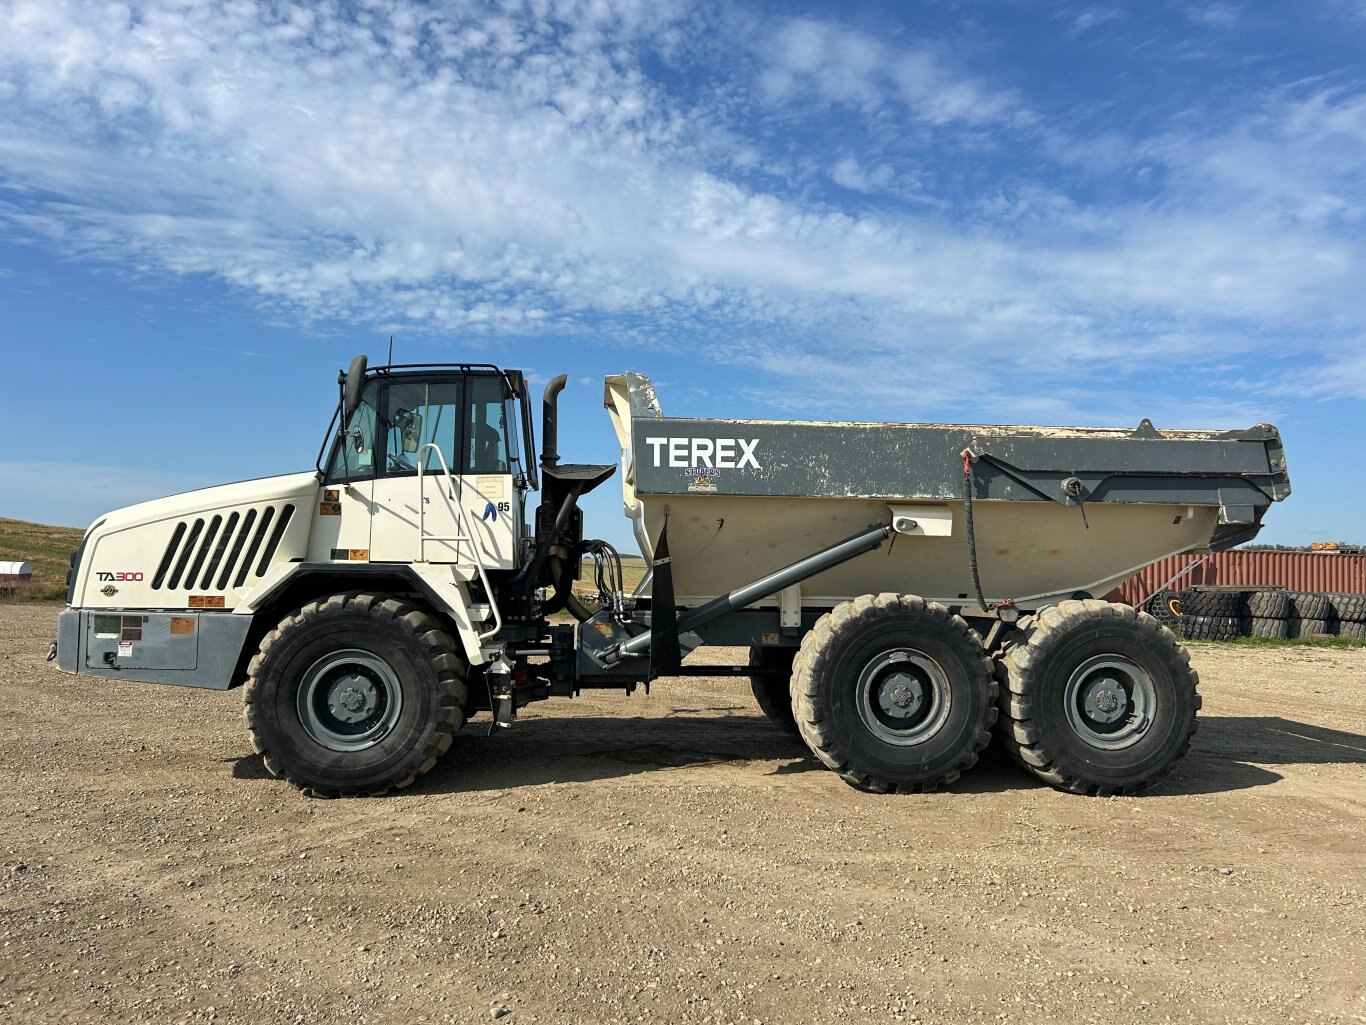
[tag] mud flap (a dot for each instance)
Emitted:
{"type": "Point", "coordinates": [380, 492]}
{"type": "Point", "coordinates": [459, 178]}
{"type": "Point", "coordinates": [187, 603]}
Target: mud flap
{"type": "Point", "coordinates": [665, 655]}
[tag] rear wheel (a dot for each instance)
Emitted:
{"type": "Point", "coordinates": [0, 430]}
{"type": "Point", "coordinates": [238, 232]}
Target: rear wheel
{"type": "Point", "coordinates": [1100, 699]}
{"type": "Point", "coordinates": [354, 694]}
{"type": "Point", "coordinates": [773, 689]}
{"type": "Point", "coordinates": [894, 693]}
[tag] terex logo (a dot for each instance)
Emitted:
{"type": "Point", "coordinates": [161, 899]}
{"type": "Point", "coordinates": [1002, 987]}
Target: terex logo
{"type": "Point", "coordinates": [131, 578]}
{"type": "Point", "coordinates": [720, 453]}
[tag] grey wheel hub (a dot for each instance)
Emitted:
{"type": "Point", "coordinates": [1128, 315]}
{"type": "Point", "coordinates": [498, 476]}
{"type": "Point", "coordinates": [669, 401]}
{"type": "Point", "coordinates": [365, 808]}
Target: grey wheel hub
{"type": "Point", "coordinates": [902, 696]}
{"type": "Point", "coordinates": [1110, 701]}
{"type": "Point", "coordinates": [349, 700]}
{"type": "Point", "coordinates": [352, 698]}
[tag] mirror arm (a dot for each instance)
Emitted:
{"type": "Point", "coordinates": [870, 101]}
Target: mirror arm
{"type": "Point", "coordinates": [341, 427]}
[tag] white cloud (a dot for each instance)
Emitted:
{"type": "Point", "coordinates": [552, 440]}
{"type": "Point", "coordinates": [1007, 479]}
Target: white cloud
{"type": "Point", "coordinates": [518, 171]}
{"type": "Point", "coordinates": [1094, 17]}
{"type": "Point", "coordinates": [1212, 15]}
{"type": "Point", "coordinates": [850, 174]}
{"type": "Point", "coordinates": [811, 58]}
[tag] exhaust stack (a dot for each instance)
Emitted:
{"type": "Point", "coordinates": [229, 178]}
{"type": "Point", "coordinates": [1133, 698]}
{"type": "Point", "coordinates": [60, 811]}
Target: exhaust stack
{"type": "Point", "coordinates": [550, 425]}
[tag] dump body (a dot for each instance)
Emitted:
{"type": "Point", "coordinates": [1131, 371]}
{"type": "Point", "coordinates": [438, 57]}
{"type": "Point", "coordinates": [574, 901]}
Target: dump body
{"type": "Point", "coordinates": [1057, 510]}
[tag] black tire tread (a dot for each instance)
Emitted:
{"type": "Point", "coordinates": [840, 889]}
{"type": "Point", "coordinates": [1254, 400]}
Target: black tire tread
{"type": "Point", "coordinates": [1265, 627]}
{"type": "Point", "coordinates": [1348, 608]}
{"type": "Point", "coordinates": [430, 639]}
{"type": "Point", "coordinates": [1212, 603]}
{"type": "Point", "coordinates": [1165, 606]}
{"type": "Point", "coordinates": [1210, 628]}
{"type": "Point", "coordinates": [1309, 605]}
{"type": "Point", "coordinates": [1352, 630]}
{"type": "Point", "coordinates": [1268, 604]}
{"type": "Point", "coordinates": [1308, 627]}
{"type": "Point", "coordinates": [773, 694]}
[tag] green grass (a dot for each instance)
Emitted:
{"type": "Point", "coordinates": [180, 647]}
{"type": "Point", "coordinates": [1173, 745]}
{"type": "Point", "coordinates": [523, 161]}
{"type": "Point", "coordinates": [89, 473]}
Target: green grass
{"type": "Point", "coordinates": [1301, 642]}
{"type": "Point", "coordinates": [632, 569]}
{"type": "Point", "coordinates": [47, 549]}
{"type": "Point", "coordinates": [1279, 642]}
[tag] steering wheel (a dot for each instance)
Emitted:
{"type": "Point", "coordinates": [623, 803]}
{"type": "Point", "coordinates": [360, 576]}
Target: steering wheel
{"type": "Point", "coordinates": [398, 462]}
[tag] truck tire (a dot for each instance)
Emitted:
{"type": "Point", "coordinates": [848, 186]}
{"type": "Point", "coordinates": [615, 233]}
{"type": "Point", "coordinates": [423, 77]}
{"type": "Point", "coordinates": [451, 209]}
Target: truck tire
{"type": "Point", "coordinates": [1308, 605]}
{"type": "Point", "coordinates": [1307, 627]}
{"type": "Point", "coordinates": [1165, 606]}
{"type": "Point", "coordinates": [1348, 608]}
{"type": "Point", "coordinates": [1098, 698]}
{"type": "Point", "coordinates": [1223, 604]}
{"type": "Point", "coordinates": [1209, 628]}
{"type": "Point", "coordinates": [1268, 604]}
{"type": "Point", "coordinates": [1352, 630]}
{"type": "Point", "coordinates": [354, 694]}
{"type": "Point", "coordinates": [894, 693]}
{"type": "Point", "coordinates": [773, 691]}
{"type": "Point", "coordinates": [1265, 627]}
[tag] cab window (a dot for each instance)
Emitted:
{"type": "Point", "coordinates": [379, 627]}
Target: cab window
{"type": "Point", "coordinates": [466, 418]}
{"type": "Point", "coordinates": [486, 439]}
{"type": "Point", "coordinates": [353, 457]}
{"type": "Point", "coordinates": [421, 413]}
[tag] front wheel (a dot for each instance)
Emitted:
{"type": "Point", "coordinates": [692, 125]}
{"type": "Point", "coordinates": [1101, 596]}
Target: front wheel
{"type": "Point", "coordinates": [354, 694]}
{"type": "Point", "coordinates": [894, 693]}
{"type": "Point", "coordinates": [1098, 699]}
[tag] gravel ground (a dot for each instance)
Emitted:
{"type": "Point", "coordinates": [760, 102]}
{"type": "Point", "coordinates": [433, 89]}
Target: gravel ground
{"type": "Point", "coordinates": [673, 858]}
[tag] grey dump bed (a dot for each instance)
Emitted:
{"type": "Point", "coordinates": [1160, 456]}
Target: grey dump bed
{"type": "Point", "coordinates": [1061, 509]}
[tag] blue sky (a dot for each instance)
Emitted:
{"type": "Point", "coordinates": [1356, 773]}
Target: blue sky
{"type": "Point", "coordinates": [1004, 211]}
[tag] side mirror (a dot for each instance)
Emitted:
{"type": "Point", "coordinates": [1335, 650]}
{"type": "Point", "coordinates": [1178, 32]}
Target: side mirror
{"type": "Point", "coordinates": [355, 380]}
{"type": "Point", "coordinates": [409, 424]}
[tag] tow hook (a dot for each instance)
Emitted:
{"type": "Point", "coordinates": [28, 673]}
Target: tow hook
{"type": "Point", "coordinates": [52, 651]}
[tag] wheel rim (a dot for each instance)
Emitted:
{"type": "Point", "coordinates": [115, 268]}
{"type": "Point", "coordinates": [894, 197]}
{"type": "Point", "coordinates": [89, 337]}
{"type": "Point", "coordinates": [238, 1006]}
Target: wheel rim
{"type": "Point", "coordinates": [349, 700]}
{"type": "Point", "coordinates": [1110, 701]}
{"type": "Point", "coordinates": [902, 696]}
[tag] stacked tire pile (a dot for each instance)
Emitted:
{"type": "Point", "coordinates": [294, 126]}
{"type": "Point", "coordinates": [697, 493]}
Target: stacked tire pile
{"type": "Point", "coordinates": [1211, 615]}
{"type": "Point", "coordinates": [1308, 614]}
{"type": "Point", "coordinates": [1225, 615]}
{"type": "Point", "coordinates": [1267, 615]}
{"type": "Point", "coordinates": [1349, 610]}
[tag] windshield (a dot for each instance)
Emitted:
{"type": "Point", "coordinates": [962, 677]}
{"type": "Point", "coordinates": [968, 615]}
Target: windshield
{"type": "Point", "coordinates": [355, 458]}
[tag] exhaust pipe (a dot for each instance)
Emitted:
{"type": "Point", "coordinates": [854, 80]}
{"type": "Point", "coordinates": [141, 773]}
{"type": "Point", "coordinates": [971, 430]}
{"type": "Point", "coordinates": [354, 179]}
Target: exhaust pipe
{"type": "Point", "coordinates": [550, 421]}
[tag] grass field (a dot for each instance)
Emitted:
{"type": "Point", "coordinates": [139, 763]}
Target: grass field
{"type": "Point", "coordinates": [47, 549]}
{"type": "Point", "coordinates": [632, 571]}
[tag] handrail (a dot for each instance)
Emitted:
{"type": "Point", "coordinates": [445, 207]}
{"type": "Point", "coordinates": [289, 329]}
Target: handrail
{"type": "Point", "coordinates": [462, 524]}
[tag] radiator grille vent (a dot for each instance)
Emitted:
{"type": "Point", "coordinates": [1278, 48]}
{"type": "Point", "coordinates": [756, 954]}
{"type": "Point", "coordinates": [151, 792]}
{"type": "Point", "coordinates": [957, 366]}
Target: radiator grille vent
{"type": "Point", "coordinates": [206, 554]}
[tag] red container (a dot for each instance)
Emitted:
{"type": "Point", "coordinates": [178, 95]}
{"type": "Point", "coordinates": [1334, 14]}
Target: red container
{"type": "Point", "coordinates": [1294, 571]}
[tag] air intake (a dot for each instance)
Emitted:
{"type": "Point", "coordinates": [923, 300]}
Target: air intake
{"type": "Point", "coordinates": [215, 553]}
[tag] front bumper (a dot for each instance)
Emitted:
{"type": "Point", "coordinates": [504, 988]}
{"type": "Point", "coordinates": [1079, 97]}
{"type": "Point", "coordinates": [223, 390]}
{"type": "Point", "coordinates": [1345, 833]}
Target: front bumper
{"type": "Point", "coordinates": [186, 649]}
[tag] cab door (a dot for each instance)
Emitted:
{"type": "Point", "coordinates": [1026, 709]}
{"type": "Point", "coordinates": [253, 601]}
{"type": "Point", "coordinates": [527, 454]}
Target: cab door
{"type": "Point", "coordinates": [444, 490]}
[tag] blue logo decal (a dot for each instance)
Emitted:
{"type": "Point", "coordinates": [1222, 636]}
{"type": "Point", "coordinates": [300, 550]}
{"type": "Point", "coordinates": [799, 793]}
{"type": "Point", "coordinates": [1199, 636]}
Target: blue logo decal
{"type": "Point", "coordinates": [490, 513]}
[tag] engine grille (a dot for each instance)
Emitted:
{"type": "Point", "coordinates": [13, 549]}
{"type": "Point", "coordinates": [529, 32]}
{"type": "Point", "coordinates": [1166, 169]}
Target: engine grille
{"type": "Point", "coordinates": [215, 553]}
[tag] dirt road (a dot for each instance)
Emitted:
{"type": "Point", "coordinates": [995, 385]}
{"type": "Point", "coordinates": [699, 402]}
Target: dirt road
{"type": "Point", "coordinates": [673, 858]}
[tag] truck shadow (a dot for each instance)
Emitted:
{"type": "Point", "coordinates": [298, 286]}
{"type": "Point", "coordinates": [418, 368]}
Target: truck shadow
{"type": "Point", "coordinates": [1234, 752]}
{"type": "Point", "coordinates": [581, 749]}
{"type": "Point", "coordinates": [1230, 753]}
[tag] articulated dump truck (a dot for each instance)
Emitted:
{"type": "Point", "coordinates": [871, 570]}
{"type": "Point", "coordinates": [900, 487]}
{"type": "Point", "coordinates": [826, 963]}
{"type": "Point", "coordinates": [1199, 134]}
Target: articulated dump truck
{"type": "Point", "coordinates": [905, 591]}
